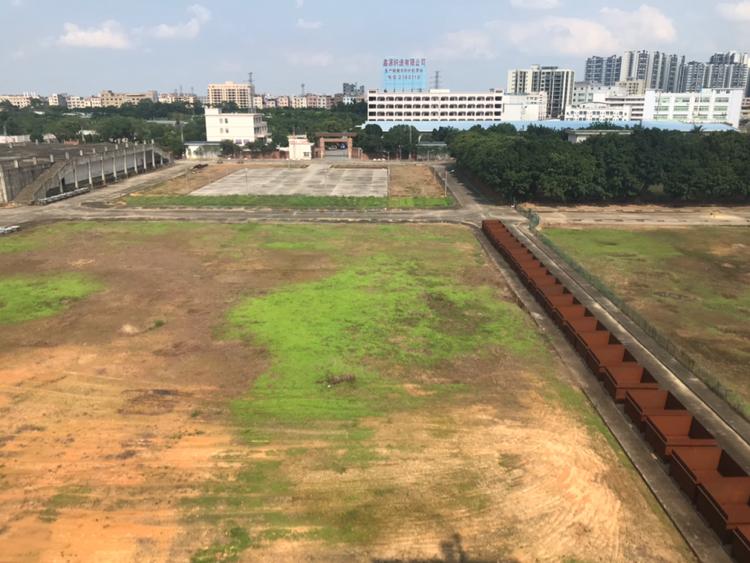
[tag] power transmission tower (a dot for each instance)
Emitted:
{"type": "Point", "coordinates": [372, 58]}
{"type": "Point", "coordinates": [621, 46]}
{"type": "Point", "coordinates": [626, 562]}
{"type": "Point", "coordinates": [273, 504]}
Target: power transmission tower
{"type": "Point", "coordinates": [303, 88]}
{"type": "Point", "coordinates": [436, 80]}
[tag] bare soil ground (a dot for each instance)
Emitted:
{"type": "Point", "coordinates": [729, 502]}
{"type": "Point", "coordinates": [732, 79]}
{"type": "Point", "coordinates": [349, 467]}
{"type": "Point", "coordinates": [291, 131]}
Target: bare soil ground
{"type": "Point", "coordinates": [116, 427]}
{"type": "Point", "coordinates": [413, 180]}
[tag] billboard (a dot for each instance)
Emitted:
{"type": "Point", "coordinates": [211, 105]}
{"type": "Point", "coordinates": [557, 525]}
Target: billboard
{"type": "Point", "coordinates": [405, 75]}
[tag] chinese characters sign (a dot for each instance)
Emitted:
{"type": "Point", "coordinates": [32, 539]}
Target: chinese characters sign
{"type": "Point", "coordinates": [404, 75]}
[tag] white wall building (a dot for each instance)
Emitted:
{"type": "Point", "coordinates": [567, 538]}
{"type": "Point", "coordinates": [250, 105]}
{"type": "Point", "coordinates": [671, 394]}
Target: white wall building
{"type": "Point", "coordinates": [706, 106]}
{"type": "Point", "coordinates": [590, 92]}
{"type": "Point", "coordinates": [598, 111]}
{"type": "Point", "coordinates": [525, 107]}
{"type": "Point", "coordinates": [745, 112]}
{"type": "Point", "coordinates": [240, 128]}
{"type": "Point", "coordinates": [176, 97]}
{"type": "Point", "coordinates": [435, 105]}
{"type": "Point", "coordinates": [299, 148]}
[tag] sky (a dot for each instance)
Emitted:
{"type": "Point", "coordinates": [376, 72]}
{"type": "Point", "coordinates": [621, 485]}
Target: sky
{"type": "Point", "coordinates": [82, 47]}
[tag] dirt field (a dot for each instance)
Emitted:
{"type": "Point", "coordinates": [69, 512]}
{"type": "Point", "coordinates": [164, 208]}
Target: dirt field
{"type": "Point", "coordinates": [691, 283]}
{"type": "Point", "coordinates": [414, 180]}
{"type": "Point", "coordinates": [286, 393]}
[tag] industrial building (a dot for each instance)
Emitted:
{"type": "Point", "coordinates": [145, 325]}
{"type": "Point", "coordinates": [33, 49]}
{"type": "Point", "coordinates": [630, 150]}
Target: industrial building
{"type": "Point", "coordinates": [434, 105]}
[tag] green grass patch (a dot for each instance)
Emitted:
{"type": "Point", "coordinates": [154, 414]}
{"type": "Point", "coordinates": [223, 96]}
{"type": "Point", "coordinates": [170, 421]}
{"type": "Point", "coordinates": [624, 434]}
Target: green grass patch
{"type": "Point", "coordinates": [290, 201]}
{"type": "Point", "coordinates": [24, 298]}
{"type": "Point", "coordinates": [384, 310]}
{"type": "Point", "coordinates": [66, 498]}
{"type": "Point", "coordinates": [236, 541]}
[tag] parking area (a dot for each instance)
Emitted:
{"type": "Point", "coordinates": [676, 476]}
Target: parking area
{"type": "Point", "coordinates": [316, 180]}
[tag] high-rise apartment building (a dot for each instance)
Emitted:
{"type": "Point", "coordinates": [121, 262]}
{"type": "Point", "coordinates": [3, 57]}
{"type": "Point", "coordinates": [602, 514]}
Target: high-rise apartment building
{"type": "Point", "coordinates": [723, 70]}
{"type": "Point", "coordinates": [241, 93]}
{"type": "Point", "coordinates": [556, 82]}
{"type": "Point", "coordinates": [601, 70]}
{"type": "Point", "coordinates": [660, 70]}
{"type": "Point", "coordinates": [353, 90]}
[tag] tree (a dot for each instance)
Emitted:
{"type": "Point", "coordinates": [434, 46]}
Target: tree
{"type": "Point", "coordinates": [401, 140]}
{"type": "Point", "coordinates": [229, 148]}
{"type": "Point", "coordinates": [370, 140]}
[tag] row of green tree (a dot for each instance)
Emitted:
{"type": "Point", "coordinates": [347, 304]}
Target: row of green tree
{"type": "Point", "coordinates": [102, 126]}
{"type": "Point", "coordinates": [649, 164]}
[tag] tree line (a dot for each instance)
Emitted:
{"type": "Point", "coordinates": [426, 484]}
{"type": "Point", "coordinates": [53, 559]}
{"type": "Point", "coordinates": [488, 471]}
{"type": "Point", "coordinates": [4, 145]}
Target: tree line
{"type": "Point", "coordinates": [647, 165]}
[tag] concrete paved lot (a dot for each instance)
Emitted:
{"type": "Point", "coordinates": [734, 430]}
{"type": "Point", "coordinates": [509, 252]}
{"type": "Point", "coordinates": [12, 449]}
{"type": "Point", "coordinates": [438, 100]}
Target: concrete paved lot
{"type": "Point", "coordinates": [315, 180]}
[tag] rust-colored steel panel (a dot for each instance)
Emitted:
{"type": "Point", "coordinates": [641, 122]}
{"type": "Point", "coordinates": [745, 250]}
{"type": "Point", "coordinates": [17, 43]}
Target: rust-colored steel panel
{"type": "Point", "coordinates": [741, 544]}
{"type": "Point", "coordinates": [621, 378]}
{"type": "Point", "coordinates": [724, 504]}
{"type": "Point", "coordinates": [690, 467]}
{"type": "Point", "coordinates": [642, 402]}
{"type": "Point", "coordinates": [667, 432]}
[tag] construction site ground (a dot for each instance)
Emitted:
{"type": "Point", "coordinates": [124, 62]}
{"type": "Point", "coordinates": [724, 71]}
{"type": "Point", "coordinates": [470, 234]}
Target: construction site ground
{"type": "Point", "coordinates": [286, 392]}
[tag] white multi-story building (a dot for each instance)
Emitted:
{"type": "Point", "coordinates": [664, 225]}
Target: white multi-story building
{"type": "Point", "coordinates": [706, 106]}
{"type": "Point", "coordinates": [598, 111]}
{"type": "Point", "coordinates": [283, 102]}
{"type": "Point", "coordinates": [556, 82]}
{"type": "Point", "coordinates": [617, 105]}
{"type": "Point", "coordinates": [240, 93]}
{"type": "Point", "coordinates": [240, 128]}
{"type": "Point", "coordinates": [525, 107]}
{"type": "Point", "coordinates": [176, 98]}
{"type": "Point", "coordinates": [591, 92]}
{"type": "Point", "coordinates": [435, 105]}
{"type": "Point", "coordinates": [632, 87]}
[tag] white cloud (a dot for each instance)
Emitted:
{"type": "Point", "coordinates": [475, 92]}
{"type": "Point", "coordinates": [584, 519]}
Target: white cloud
{"type": "Point", "coordinates": [569, 36]}
{"type": "Point", "coordinates": [300, 3]}
{"type": "Point", "coordinates": [735, 11]}
{"type": "Point", "coordinates": [108, 35]}
{"type": "Point", "coordinates": [308, 58]}
{"type": "Point", "coordinates": [612, 31]}
{"type": "Point", "coordinates": [464, 44]}
{"type": "Point", "coordinates": [199, 16]}
{"type": "Point", "coordinates": [305, 24]}
{"type": "Point", "coordinates": [535, 4]}
{"type": "Point", "coordinates": [644, 25]}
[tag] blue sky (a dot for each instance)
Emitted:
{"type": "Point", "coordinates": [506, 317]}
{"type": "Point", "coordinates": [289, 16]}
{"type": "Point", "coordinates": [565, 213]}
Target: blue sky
{"type": "Point", "coordinates": [83, 47]}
